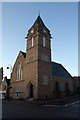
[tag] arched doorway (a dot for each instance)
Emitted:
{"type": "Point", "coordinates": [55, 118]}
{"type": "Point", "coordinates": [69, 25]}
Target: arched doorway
{"type": "Point", "coordinates": [30, 90]}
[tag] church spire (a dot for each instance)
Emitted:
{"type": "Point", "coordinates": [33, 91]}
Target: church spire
{"type": "Point", "coordinates": [39, 21]}
{"type": "Point", "coordinates": [39, 13]}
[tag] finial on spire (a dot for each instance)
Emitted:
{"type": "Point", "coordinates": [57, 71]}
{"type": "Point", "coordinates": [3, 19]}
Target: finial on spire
{"type": "Point", "coordinates": [39, 13]}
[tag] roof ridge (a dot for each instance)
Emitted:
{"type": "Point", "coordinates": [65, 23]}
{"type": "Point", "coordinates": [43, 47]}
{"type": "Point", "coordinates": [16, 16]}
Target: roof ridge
{"type": "Point", "coordinates": [66, 70]}
{"type": "Point", "coordinates": [23, 53]}
{"type": "Point", "coordinates": [56, 63]}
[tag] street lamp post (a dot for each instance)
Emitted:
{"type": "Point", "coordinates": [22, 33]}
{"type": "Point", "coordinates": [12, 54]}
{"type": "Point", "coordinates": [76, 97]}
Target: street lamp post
{"type": "Point", "coordinates": [10, 67]}
{"type": "Point", "coordinates": [8, 82]}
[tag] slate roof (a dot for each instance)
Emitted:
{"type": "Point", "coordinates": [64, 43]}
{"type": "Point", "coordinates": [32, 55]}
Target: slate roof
{"type": "Point", "coordinates": [60, 71]}
{"type": "Point", "coordinates": [39, 21]}
{"type": "Point", "coordinates": [24, 54]}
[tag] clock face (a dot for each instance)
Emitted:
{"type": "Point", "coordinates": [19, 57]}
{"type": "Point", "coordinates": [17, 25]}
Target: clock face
{"type": "Point", "coordinates": [44, 31]}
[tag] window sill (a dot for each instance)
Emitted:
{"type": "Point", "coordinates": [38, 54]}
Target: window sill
{"type": "Point", "coordinates": [18, 81]}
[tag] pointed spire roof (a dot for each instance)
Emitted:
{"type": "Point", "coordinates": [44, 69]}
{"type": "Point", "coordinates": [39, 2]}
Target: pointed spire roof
{"type": "Point", "coordinates": [39, 21]}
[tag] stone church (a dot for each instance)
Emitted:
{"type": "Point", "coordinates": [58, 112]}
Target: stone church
{"type": "Point", "coordinates": [34, 75]}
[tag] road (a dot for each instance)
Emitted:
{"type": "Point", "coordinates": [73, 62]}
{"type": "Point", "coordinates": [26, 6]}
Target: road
{"type": "Point", "coordinates": [69, 108]}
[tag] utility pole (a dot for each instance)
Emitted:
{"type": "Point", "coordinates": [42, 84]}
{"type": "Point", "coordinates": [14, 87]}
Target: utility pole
{"type": "Point", "coordinates": [1, 75]}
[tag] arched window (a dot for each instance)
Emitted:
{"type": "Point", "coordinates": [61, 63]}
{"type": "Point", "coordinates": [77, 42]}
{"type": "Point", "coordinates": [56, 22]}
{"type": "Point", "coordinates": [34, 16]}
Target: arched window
{"type": "Point", "coordinates": [67, 91]}
{"type": "Point", "coordinates": [45, 80]}
{"type": "Point", "coordinates": [57, 88]}
{"type": "Point", "coordinates": [19, 71]}
{"type": "Point", "coordinates": [44, 41]}
{"type": "Point", "coordinates": [32, 42]}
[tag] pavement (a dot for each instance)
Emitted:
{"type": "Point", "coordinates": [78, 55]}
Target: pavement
{"type": "Point", "coordinates": [68, 100]}
{"type": "Point", "coordinates": [60, 101]}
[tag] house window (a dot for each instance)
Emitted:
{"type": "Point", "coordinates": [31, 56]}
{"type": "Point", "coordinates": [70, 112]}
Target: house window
{"type": "Point", "coordinates": [67, 90]}
{"type": "Point", "coordinates": [19, 71]}
{"type": "Point", "coordinates": [17, 94]}
{"type": "Point", "coordinates": [44, 41]}
{"type": "Point", "coordinates": [45, 80]}
{"type": "Point", "coordinates": [32, 42]}
{"type": "Point", "coordinates": [61, 85]}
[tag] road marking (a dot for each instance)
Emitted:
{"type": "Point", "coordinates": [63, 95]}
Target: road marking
{"type": "Point", "coordinates": [71, 103]}
{"type": "Point", "coordinates": [66, 105]}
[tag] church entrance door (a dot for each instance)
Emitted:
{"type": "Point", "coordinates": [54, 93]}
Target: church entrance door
{"type": "Point", "coordinates": [30, 90]}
